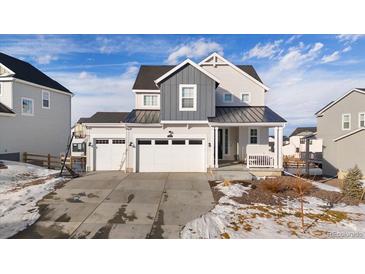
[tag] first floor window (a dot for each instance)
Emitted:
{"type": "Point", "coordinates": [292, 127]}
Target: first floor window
{"type": "Point", "coordinates": [253, 136]}
{"type": "Point", "coordinates": [150, 100]}
{"type": "Point", "coordinates": [362, 119]}
{"type": "Point", "coordinates": [246, 97]}
{"type": "Point", "coordinates": [187, 97]}
{"type": "Point", "coordinates": [45, 99]}
{"type": "Point", "coordinates": [346, 121]}
{"type": "Point", "coordinates": [78, 147]}
{"type": "Point", "coordinates": [27, 106]}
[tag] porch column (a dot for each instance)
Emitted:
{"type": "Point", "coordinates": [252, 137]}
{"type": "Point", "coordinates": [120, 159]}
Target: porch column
{"type": "Point", "coordinates": [216, 147]}
{"type": "Point", "coordinates": [276, 147]}
{"type": "Point", "coordinates": [280, 147]}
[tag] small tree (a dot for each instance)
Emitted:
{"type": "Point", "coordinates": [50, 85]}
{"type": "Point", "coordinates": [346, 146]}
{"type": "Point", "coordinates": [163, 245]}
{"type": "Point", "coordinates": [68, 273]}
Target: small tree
{"type": "Point", "coordinates": [352, 186]}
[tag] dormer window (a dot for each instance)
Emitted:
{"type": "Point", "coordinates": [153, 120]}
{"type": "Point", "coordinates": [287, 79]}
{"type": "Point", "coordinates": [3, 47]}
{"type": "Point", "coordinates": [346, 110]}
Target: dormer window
{"type": "Point", "coordinates": [246, 97]}
{"type": "Point", "coordinates": [187, 97]}
{"type": "Point", "coordinates": [150, 100]}
{"type": "Point", "coordinates": [227, 97]}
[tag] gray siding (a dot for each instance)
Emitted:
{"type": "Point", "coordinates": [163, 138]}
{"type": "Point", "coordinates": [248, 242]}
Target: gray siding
{"type": "Point", "coordinates": [170, 95]}
{"type": "Point", "coordinates": [336, 155]}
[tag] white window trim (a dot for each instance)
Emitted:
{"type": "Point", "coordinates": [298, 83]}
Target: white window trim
{"type": "Point", "coordinates": [361, 113]}
{"type": "Point", "coordinates": [21, 106]}
{"type": "Point", "coordinates": [224, 97]}
{"type": "Point", "coordinates": [153, 95]}
{"type": "Point", "coordinates": [181, 86]}
{"type": "Point", "coordinates": [249, 135]}
{"type": "Point", "coordinates": [342, 121]}
{"type": "Point", "coordinates": [49, 99]}
{"type": "Point", "coordinates": [249, 97]}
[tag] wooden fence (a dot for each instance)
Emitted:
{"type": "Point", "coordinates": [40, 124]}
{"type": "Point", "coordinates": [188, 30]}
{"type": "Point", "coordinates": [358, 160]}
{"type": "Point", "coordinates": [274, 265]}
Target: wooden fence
{"type": "Point", "coordinates": [48, 160]}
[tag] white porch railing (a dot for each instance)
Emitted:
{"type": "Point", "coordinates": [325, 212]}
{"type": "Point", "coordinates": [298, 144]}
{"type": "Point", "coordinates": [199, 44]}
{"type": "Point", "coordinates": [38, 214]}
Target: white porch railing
{"type": "Point", "coordinates": [259, 156]}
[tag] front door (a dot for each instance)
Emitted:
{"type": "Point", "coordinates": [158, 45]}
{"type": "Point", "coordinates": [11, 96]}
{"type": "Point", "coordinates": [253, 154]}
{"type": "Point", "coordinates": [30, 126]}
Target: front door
{"type": "Point", "coordinates": [220, 143]}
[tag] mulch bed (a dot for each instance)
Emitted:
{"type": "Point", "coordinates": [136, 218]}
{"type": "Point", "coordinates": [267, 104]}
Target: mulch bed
{"type": "Point", "coordinates": [260, 194]}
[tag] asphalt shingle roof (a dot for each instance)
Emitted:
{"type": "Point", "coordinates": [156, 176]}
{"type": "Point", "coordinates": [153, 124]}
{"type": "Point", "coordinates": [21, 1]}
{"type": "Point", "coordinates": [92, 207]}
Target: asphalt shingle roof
{"type": "Point", "coordinates": [27, 72]}
{"type": "Point", "coordinates": [246, 114]}
{"type": "Point", "coordinates": [303, 131]}
{"type": "Point", "coordinates": [148, 74]}
{"type": "Point", "coordinates": [105, 117]}
{"type": "Point", "coordinates": [5, 109]}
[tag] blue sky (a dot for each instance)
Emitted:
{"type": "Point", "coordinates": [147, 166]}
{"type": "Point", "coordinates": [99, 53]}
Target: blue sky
{"type": "Point", "coordinates": [304, 72]}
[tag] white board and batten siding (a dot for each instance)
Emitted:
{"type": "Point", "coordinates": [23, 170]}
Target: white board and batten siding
{"type": "Point", "coordinates": [171, 155]}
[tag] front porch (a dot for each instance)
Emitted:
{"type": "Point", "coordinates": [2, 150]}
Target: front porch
{"type": "Point", "coordinates": [246, 149]}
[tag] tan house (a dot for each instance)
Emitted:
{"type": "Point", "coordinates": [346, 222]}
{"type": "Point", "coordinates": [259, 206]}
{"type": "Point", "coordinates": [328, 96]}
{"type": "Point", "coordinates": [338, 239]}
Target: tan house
{"type": "Point", "coordinates": [341, 125]}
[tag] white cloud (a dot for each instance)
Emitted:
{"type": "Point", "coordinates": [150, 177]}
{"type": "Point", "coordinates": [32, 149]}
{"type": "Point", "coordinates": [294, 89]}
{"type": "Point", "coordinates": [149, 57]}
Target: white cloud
{"type": "Point", "coordinates": [97, 93]}
{"type": "Point", "coordinates": [297, 56]}
{"type": "Point", "coordinates": [349, 38]}
{"type": "Point", "coordinates": [347, 49]}
{"type": "Point", "coordinates": [45, 59]}
{"type": "Point", "coordinates": [314, 89]}
{"type": "Point", "coordinates": [292, 38]}
{"type": "Point", "coordinates": [330, 58]}
{"type": "Point", "coordinates": [196, 49]}
{"type": "Point", "coordinates": [268, 50]}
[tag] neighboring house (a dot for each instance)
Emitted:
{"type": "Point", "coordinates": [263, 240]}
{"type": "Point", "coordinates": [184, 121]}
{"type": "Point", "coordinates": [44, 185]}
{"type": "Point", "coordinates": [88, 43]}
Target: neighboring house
{"type": "Point", "coordinates": [296, 146]}
{"type": "Point", "coordinates": [341, 125]}
{"type": "Point", "coordinates": [190, 118]}
{"type": "Point", "coordinates": [35, 111]}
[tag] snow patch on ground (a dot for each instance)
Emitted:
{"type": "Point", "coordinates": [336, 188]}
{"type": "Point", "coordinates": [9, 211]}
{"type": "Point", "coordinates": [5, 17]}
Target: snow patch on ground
{"type": "Point", "coordinates": [326, 187]}
{"type": "Point", "coordinates": [21, 187]}
{"type": "Point", "coordinates": [234, 190]}
{"type": "Point", "coordinates": [230, 219]}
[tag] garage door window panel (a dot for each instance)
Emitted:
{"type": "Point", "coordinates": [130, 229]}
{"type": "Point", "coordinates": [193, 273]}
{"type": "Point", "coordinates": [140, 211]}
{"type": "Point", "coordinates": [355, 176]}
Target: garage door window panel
{"type": "Point", "coordinates": [161, 142]}
{"type": "Point", "coordinates": [195, 142]}
{"type": "Point", "coordinates": [118, 141]}
{"type": "Point", "coordinates": [144, 142]}
{"type": "Point", "coordinates": [102, 142]}
{"type": "Point", "coordinates": [178, 142]}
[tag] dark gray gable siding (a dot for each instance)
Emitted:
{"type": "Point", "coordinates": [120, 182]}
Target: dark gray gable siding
{"type": "Point", "coordinates": [170, 95]}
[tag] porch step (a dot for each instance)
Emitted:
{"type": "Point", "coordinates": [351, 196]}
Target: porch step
{"type": "Point", "coordinates": [230, 175]}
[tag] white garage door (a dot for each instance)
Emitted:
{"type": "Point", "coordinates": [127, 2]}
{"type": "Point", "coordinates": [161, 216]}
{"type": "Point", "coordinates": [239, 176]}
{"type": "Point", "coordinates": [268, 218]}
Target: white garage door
{"type": "Point", "coordinates": [179, 155]}
{"type": "Point", "coordinates": [110, 154]}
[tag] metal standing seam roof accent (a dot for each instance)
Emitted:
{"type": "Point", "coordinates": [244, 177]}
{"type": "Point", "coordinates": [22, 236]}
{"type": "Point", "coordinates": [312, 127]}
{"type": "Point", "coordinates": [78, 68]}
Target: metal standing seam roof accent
{"type": "Point", "coordinates": [143, 117]}
{"type": "Point", "coordinates": [248, 114]}
{"type": "Point", "coordinates": [104, 117]}
{"type": "Point", "coordinates": [5, 109]}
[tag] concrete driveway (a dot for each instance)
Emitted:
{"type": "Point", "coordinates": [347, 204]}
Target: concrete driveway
{"type": "Point", "coordinates": [117, 205]}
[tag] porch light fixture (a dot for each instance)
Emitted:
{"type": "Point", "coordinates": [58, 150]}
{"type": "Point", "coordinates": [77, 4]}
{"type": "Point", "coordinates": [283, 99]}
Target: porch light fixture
{"type": "Point", "coordinates": [170, 134]}
{"type": "Point", "coordinates": [131, 144]}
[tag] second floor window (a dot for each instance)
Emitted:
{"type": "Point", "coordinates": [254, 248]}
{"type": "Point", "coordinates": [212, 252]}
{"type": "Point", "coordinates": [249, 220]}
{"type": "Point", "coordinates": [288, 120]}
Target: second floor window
{"type": "Point", "coordinates": [150, 100]}
{"type": "Point", "coordinates": [362, 119]}
{"type": "Point", "coordinates": [45, 99]}
{"type": "Point", "coordinates": [346, 121]}
{"type": "Point", "coordinates": [187, 100]}
{"type": "Point", "coordinates": [227, 97]}
{"type": "Point", "coordinates": [27, 106]}
{"type": "Point", "coordinates": [246, 97]}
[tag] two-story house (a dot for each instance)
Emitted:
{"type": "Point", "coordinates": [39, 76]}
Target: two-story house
{"type": "Point", "coordinates": [35, 111]}
{"type": "Point", "coordinates": [296, 147]}
{"type": "Point", "coordinates": [190, 118]}
{"type": "Point", "coordinates": [341, 125]}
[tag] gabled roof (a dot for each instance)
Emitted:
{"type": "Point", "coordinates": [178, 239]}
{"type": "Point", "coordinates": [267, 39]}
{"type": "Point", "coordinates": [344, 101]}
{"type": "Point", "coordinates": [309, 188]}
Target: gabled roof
{"type": "Point", "coordinates": [246, 114]}
{"type": "Point", "coordinates": [104, 117]}
{"type": "Point", "coordinates": [5, 110]}
{"type": "Point", "coordinates": [149, 73]}
{"type": "Point", "coordinates": [181, 65]}
{"type": "Point", "coordinates": [331, 104]}
{"type": "Point", "coordinates": [251, 75]}
{"type": "Point", "coordinates": [304, 131]}
{"type": "Point", "coordinates": [26, 72]}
